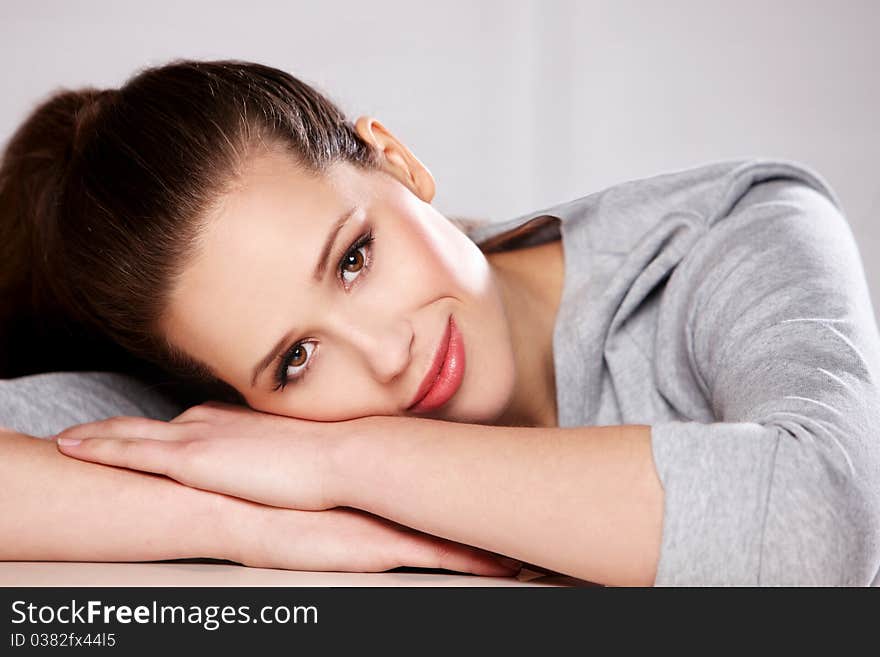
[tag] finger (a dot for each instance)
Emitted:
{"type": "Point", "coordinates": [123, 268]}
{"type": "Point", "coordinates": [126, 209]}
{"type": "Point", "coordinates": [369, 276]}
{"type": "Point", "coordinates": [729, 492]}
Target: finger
{"type": "Point", "coordinates": [450, 555]}
{"type": "Point", "coordinates": [142, 454]}
{"type": "Point", "coordinates": [352, 540]}
{"type": "Point", "coordinates": [220, 467]}
{"type": "Point", "coordinates": [413, 547]}
{"type": "Point", "coordinates": [123, 426]}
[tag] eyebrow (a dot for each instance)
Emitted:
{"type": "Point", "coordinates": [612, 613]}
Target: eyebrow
{"type": "Point", "coordinates": [317, 275]}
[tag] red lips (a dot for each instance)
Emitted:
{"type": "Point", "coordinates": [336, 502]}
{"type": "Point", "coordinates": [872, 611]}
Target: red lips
{"type": "Point", "coordinates": [446, 373]}
{"type": "Point", "coordinates": [436, 364]}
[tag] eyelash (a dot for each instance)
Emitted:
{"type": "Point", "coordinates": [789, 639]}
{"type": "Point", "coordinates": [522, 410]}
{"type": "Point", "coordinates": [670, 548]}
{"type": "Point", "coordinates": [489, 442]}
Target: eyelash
{"type": "Point", "coordinates": [281, 378]}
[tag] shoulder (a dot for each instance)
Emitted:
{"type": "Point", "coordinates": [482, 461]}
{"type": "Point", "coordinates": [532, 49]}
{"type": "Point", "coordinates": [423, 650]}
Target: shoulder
{"type": "Point", "coordinates": [785, 228]}
{"type": "Point", "coordinates": [776, 277]}
{"type": "Point", "coordinates": [44, 404]}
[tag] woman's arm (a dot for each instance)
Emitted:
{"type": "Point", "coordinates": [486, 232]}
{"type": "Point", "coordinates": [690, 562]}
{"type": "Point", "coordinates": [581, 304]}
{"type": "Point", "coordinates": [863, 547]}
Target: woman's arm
{"type": "Point", "coordinates": [777, 328]}
{"type": "Point", "coordinates": [584, 501]}
{"type": "Point", "coordinates": [779, 339]}
{"type": "Point", "coordinates": [53, 508]}
{"type": "Point", "coordinates": [772, 313]}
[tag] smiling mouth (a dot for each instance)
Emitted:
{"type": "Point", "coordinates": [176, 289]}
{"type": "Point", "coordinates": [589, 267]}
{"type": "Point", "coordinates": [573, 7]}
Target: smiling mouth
{"type": "Point", "coordinates": [446, 376]}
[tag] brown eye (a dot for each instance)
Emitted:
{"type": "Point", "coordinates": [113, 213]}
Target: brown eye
{"type": "Point", "coordinates": [297, 359]}
{"type": "Point", "coordinates": [355, 260]}
{"type": "Point", "coordinates": [294, 361]}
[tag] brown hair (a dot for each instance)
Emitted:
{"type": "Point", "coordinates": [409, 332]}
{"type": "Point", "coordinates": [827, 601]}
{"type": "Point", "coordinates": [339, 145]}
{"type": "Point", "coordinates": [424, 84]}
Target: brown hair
{"type": "Point", "coordinates": [103, 194]}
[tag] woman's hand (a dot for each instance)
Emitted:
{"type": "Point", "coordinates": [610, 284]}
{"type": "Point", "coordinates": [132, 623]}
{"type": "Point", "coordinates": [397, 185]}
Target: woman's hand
{"type": "Point", "coordinates": [270, 459]}
{"type": "Point", "coordinates": [275, 461]}
{"type": "Point", "coordinates": [344, 540]}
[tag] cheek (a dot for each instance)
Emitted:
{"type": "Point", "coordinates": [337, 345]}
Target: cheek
{"type": "Point", "coordinates": [443, 259]}
{"type": "Point", "coordinates": [322, 401]}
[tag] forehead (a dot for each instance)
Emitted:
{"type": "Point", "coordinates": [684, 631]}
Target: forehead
{"type": "Point", "coordinates": [255, 253]}
{"type": "Point", "coordinates": [271, 188]}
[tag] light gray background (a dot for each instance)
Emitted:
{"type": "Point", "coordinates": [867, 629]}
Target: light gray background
{"type": "Point", "coordinates": [516, 105]}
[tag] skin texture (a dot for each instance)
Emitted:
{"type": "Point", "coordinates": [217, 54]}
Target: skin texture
{"type": "Point", "coordinates": [55, 508]}
{"type": "Point", "coordinates": [583, 501]}
{"type": "Point", "coordinates": [368, 331]}
{"type": "Point", "coordinates": [490, 469]}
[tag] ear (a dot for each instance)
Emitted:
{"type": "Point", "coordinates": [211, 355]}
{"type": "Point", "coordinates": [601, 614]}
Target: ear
{"type": "Point", "coordinates": [398, 160]}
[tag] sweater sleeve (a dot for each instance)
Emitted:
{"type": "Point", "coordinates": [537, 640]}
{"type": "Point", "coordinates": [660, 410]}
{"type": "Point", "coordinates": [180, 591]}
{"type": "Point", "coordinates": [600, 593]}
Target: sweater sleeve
{"type": "Point", "coordinates": [783, 488]}
{"type": "Point", "coordinates": [44, 404]}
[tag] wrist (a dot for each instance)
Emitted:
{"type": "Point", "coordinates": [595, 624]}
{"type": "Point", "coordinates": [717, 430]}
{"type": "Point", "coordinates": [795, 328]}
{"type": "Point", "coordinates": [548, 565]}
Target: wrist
{"type": "Point", "coordinates": [215, 525]}
{"type": "Point", "coordinates": [360, 461]}
{"type": "Point", "coordinates": [349, 458]}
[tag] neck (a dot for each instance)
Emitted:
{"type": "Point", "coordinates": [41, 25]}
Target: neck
{"type": "Point", "coordinates": [530, 281]}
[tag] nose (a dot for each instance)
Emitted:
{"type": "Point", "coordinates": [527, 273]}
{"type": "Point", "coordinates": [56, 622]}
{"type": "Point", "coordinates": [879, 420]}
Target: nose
{"type": "Point", "coordinates": [384, 346]}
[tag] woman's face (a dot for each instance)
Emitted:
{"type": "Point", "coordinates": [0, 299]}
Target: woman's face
{"type": "Point", "coordinates": [360, 338]}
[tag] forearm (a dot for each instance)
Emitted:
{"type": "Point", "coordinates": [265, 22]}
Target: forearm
{"type": "Point", "coordinates": [584, 501]}
{"type": "Point", "coordinates": [55, 508]}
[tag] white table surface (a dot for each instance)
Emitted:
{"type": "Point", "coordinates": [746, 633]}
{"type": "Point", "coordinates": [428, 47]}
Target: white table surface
{"type": "Point", "coordinates": [52, 573]}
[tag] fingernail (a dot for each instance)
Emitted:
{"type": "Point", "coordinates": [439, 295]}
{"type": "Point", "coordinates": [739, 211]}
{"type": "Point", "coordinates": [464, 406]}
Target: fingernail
{"type": "Point", "coordinates": [513, 564]}
{"type": "Point", "coordinates": [69, 441]}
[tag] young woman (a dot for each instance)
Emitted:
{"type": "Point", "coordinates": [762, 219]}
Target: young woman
{"type": "Point", "coordinates": [672, 381]}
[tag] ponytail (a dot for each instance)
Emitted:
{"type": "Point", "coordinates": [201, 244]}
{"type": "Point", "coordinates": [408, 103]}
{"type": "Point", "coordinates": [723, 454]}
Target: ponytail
{"type": "Point", "coordinates": [36, 335]}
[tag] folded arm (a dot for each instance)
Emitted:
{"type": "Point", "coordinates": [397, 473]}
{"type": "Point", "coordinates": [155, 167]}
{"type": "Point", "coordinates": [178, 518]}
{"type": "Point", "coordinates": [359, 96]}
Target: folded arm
{"type": "Point", "coordinates": [776, 321]}
{"type": "Point", "coordinates": [583, 501]}
{"type": "Point", "coordinates": [782, 488]}
{"type": "Point", "coordinates": [53, 508]}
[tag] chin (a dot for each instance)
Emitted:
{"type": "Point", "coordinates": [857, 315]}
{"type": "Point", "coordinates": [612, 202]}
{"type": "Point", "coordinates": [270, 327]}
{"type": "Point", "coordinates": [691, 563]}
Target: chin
{"type": "Point", "coordinates": [488, 414]}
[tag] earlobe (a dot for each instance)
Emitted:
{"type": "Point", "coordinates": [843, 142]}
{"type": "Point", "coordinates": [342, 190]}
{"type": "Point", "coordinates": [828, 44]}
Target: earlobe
{"type": "Point", "coordinates": [398, 159]}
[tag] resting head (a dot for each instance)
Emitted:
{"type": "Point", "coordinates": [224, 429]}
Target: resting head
{"type": "Point", "coordinates": [185, 214]}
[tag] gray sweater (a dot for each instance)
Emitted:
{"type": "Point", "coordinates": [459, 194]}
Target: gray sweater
{"type": "Point", "coordinates": [727, 307]}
